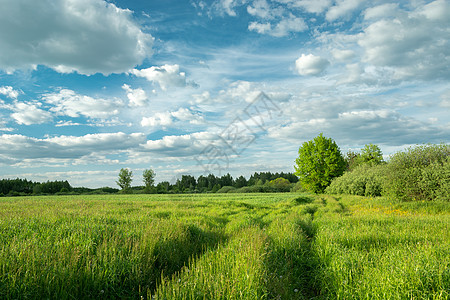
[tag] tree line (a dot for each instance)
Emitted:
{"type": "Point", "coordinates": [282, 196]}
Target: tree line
{"type": "Point", "coordinates": [18, 187]}
{"type": "Point", "coordinates": [258, 182]}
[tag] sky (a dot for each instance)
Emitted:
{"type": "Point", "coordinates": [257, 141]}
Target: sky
{"type": "Point", "coordinates": [88, 87]}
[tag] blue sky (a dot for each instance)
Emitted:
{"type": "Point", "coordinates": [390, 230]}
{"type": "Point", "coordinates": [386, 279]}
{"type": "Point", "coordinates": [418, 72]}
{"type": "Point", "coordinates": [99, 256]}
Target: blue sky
{"type": "Point", "coordinates": [189, 87]}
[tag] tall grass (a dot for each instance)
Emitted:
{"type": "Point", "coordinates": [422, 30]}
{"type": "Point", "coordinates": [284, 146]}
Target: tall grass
{"type": "Point", "coordinates": [380, 251]}
{"type": "Point", "coordinates": [229, 246]}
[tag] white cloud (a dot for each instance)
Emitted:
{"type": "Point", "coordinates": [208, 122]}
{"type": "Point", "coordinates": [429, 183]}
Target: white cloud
{"type": "Point", "coordinates": [342, 9]}
{"type": "Point", "coordinates": [4, 128]}
{"type": "Point", "coordinates": [67, 147]}
{"type": "Point", "coordinates": [261, 28]}
{"type": "Point", "coordinates": [438, 10]}
{"type": "Point", "coordinates": [241, 90]}
{"type": "Point", "coordinates": [311, 64]}
{"type": "Point", "coordinates": [227, 6]}
{"type": "Point", "coordinates": [381, 11]}
{"type": "Point", "coordinates": [84, 36]}
{"type": "Point", "coordinates": [262, 9]}
{"type": "Point", "coordinates": [184, 114]}
{"type": "Point", "coordinates": [69, 103]}
{"type": "Point", "coordinates": [137, 97]}
{"type": "Point", "coordinates": [283, 28]}
{"type": "Point", "coordinates": [29, 113]}
{"type": "Point", "coordinates": [204, 97]}
{"type": "Point", "coordinates": [311, 6]}
{"type": "Point", "coordinates": [343, 55]}
{"type": "Point", "coordinates": [159, 119]}
{"type": "Point", "coordinates": [180, 145]}
{"type": "Point", "coordinates": [235, 93]}
{"type": "Point", "coordinates": [166, 118]}
{"type": "Point", "coordinates": [352, 120]}
{"type": "Point", "coordinates": [9, 92]}
{"type": "Point", "coordinates": [415, 45]}
{"type": "Point", "coordinates": [166, 76]}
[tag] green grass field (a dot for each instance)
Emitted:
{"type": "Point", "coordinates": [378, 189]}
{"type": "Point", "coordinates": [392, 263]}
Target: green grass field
{"type": "Point", "coordinates": [223, 246]}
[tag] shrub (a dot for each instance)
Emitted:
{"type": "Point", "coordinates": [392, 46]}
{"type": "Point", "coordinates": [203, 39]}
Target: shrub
{"type": "Point", "coordinates": [365, 180]}
{"type": "Point", "coordinates": [280, 184]}
{"type": "Point", "coordinates": [226, 189]}
{"type": "Point", "coordinates": [419, 173]}
{"type": "Point", "coordinates": [298, 188]}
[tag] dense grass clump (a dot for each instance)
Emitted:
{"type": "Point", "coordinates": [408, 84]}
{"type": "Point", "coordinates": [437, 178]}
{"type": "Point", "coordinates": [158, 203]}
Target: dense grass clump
{"type": "Point", "coordinates": [384, 251]}
{"type": "Point", "coordinates": [223, 246]}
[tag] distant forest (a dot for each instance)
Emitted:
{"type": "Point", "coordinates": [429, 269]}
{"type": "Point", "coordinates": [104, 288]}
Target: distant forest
{"type": "Point", "coordinates": [258, 182]}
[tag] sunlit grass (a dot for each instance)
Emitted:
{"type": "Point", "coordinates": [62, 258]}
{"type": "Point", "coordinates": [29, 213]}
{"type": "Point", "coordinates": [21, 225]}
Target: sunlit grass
{"type": "Point", "coordinates": [227, 246]}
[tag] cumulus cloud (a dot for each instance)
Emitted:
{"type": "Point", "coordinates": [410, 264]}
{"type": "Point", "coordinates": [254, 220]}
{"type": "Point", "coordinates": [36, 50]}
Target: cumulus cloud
{"type": "Point", "coordinates": [353, 121]}
{"type": "Point", "coordinates": [159, 119]}
{"type": "Point", "coordinates": [262, 9]}
{"type": "Point", "coordinates": [9, 92]}
{"type": "Point", "coordinates": [394, 45]}
{"type": "Point", "coordinates": [414, 44]}
{"type": "Point", "coordinates": [30, 113]}
{"type": "Point", "coordinates": [3, 127]}
{"type": "Point", "coordinates": [261, 28]}
{"type": "Point", "coordinates": [227, 6]}
{"type": "Point", "coordinates": [284, 27]}
{"type": "Point", "coordinates": [342, 8]}
{"type": "Point", "coordinates": [343, 55]}
{"type": "Point", "coordinates": [381, 11]}
{"type": "Point", "coordinates": [67, 147]}
{"type": "Point", "coordinates": [137, 97]}
{"type": "Point", "coordinates": [311, 6]}
{"type": "Point", "coordinates": [237, 91]}
{"type": "Point", "coordinates": [87, 36]}
{"type": "Point", "coordinates": [180, 145]}
{"type": "Point", "coordinates": [311, 64]}
{"type": "Point", "coordinates": [184, 114]}
{"type": "Point", "coordinates": [167, 118]}
{"type": "Point", "coordinates": [68, 103]}
{"type": "Point", "coordinates": [166, 76]}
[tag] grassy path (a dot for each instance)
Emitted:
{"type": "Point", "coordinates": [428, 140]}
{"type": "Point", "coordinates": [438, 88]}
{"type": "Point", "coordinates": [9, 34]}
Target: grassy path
{"type": "Point", "coordinates": [223, 246]}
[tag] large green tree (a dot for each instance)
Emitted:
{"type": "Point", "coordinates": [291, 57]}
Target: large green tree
{"type": "Point", "coordinates": [318, 162]}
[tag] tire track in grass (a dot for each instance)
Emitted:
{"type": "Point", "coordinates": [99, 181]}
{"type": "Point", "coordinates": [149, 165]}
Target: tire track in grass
{"type": "Point", "coordinates": [291, 262]}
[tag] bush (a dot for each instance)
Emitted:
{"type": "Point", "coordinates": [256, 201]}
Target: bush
{"type": "Point", "coordinates": [436, 180]}
{"type": "Point", "coordinates": [280, 184]}
{"type": "Point", "coordinates": [419, 173]}
{"type": "Point", "coordinates": [364, 180]}
{"type": "Point", "coordinates": [226, 189]}
{"type": "Point", "coordinates": [298, 188]}
{"type": "Point", "coordinates": [256, 189]}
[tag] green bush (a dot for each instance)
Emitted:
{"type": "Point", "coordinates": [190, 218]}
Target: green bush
{"type": "Point", "coordinates": [365, 180]}
{"type": "Point", "coordinates": [280, 184]}
{"type": "Point", "coordinates": [436, 180]}
{"type": "Point", "coordinates": [298, 188]}
{"type": "Point", "coordinates": [226, 189]}
{"type": "Point", "coordinates": [419, 173]}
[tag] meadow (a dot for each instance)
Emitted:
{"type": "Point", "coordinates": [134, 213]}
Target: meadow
{"type": "Point", "coordinates": [223, 246]}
